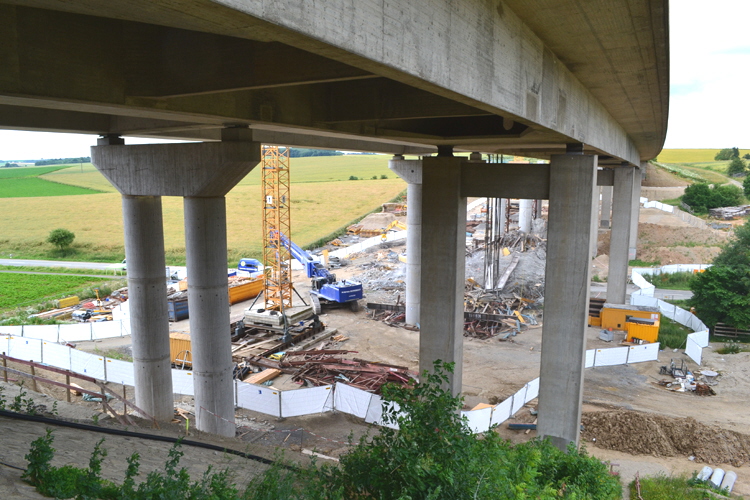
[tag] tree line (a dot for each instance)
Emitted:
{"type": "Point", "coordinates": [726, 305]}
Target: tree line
{"type": "Point", "coordinates": [63, 161]}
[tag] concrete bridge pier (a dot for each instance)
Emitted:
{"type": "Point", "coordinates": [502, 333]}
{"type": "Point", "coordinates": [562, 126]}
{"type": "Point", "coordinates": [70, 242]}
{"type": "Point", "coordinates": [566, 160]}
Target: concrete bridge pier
{"type": "Point", "coordinates": [572, 187]}
{"type": "Point", "coordinates": [524, 215]}
{"type": "Point", "coordinates": [606, 216]}
{"type": "Point", "coordinates": [443, 249]}
{"type": "Point", "coordinates": [147, 291]}
{"type": "Point", "coordinates": [636, 208]}
{"type": "Point", "coordinates": [411, 172]}
{"type": "Point", "coordinates": [619, 243]}
{"type": "Point", "coordinates": [202, 173]}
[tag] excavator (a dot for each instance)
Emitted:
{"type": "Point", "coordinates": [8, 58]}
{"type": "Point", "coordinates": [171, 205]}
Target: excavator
{"type": "Point", "coordinates": [326, 289]}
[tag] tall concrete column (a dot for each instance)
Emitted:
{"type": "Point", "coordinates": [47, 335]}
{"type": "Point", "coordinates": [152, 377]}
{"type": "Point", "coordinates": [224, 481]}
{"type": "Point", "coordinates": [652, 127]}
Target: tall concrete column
{"type": "Point", "coordinates": [524, 215]}
{"type": "Point", "coordinates": [206, 249]}
{"type": "Point", "coordinates": [411, 172]}
{"type": "Point", "coordinates": [606, 216]}
{"type": "Point", "coordinates": [501, 216]}
{"type": "Point", "coordinates": [147, 290]}
{"type": "Point", "coordinates": [572, 186]}
{"type": "Point", "coordinates": [622, 199]}
{"type": "Point", "coordinates": [444, 257]}
{"type": "Point", "coordinates": [633, 241]}
{"type": "Point", "coordinates": [538, 209]}
{"type": "Point", "coordinates": [594, 241]}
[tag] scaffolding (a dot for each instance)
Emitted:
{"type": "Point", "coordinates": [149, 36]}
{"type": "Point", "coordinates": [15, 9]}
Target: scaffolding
{"type": "Point", "coordinates": [276, 221]}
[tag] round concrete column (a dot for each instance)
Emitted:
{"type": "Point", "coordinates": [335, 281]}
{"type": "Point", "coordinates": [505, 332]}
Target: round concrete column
{"type": "Point", "coordinates": [524, 216]}
{"type": "Point", "coordinates": [413, 252]}
{"type": "Point", "coordinates": [206, 248]}
{"type": "Point", "coordinates": [147, 290]}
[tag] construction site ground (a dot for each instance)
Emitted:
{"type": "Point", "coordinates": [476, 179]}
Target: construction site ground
{"type": "Point", "coordinates": [629, 419]}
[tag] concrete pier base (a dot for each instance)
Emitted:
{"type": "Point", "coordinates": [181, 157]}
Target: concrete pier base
{"type": "Point", "coordinates": [524, 215]}
{"type": "Point", "coordinates": [572, 185]}
{"type": "Point", "coordinates": [606, 214]}
{"type": "Point", "coordinates": [443, 248]}
{"type": "Point", "coordinates": [149, 323]}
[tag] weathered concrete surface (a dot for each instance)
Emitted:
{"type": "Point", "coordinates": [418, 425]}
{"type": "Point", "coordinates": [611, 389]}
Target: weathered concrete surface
{"type": "Point", "coordinates": [572, 187]}
{"type": "Point", "coordinates": [149, 324]}
{"type": "Point", "coordinates": [206, 249]}
{"type": "Point", "coordinates": [444, 257]}
{"type": "Point", "coordinates": [510, 76]}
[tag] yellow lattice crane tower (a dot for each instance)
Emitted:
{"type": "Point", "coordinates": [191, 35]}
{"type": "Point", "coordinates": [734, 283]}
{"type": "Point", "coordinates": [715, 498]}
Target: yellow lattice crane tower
{"type": "Point", "coordinates": [276, 221]}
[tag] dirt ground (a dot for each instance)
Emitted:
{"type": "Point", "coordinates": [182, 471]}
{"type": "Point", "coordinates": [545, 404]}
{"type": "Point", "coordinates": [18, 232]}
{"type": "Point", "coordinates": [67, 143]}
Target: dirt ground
{"type": "Point", "coordinates": [629, 419]}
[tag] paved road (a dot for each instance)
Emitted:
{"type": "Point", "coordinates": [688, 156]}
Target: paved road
{"type": "Point", "coordinates": [59, 263]}
{"type": "Point", "coordinates": [600, 290]}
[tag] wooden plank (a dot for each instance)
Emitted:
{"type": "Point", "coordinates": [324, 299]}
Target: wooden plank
{"type": "Point", "coordinates": [264, 376]}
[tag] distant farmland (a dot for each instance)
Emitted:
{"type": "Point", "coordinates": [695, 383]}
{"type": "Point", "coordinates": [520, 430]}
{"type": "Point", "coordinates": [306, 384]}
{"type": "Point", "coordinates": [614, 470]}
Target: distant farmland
{"type": "Point", "coordinates": [690, 155]}
{"type": "Point", "coordinates": [24, 182]}
{"type": "Point", "coordinates": [320, 206]}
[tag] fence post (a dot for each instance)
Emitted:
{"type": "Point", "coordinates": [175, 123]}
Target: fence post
{"type": "Point", "coordinates": [5, 365]}
{"type": "Point", "coordinates": [33, 377]}
{"type": "Point", "coordinates": [67, 391]}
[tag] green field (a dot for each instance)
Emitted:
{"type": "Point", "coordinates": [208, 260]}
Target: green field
{"type": "Point", "coordinates": [690, 155]}
{"type": "Point", "coordinates": [18, 290]}
{"type": "Point", "coordinates": [25, 187]}
{"type": "Point", "coordinates": [14, 173]}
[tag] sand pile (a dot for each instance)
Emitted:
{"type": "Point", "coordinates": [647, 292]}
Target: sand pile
{"type": "Point", "coordinates": [649, 434]}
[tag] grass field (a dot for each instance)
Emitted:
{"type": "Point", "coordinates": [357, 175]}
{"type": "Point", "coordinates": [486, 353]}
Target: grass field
{"type": "Point", "coordinates": [11, 173]}
{"type": "Point", "coordinates": [690, 155]}
{"type": "Point", "coordinates": [18, 290]}
{"type": "Point", "coordinates": [28, 187]}
{"type": "Point", "coordinates": [303, 170]}
{"type": "Point", "coordinates": [318, 209]}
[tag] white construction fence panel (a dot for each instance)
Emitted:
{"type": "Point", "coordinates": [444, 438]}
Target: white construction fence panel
{"type": "Point", "coordinates": [532, 390]}
{"type": "Point", "coordinates": [501, 412]}
{"type": "Point", "coordinates": [590, 355]}
{"type": "Point", "coordinates": [478, 420]}
{"type": "Point", "coordinates": [26, 349]}
{"type": "Point", "coordinates": [75, 333]}
{"type": "Point", "coordinates": [182, 382]}
{"type": "Point", "coordinates": [106, 329]}
{"type": "Point", "coordinates": [611, 357]}
{"type": "Point", "coordinates": [641, 353]}
{"type": "Point", "coordinates": [306, 401]}
{"type": "Point", "coordinates": [643, 300]}
{"type": "Point", "coordinates": [56, 355]}
{"type": "Point", "coordinates": [641, 282]}
{"type": "Point", "coordinates": [700, 338]}
{"type": "Point", "coordinates": [259, 398]}
{"type": "Point", "coordinates": [351, 400]}
{"type": "Point", "coordinates": [120, 372]}
{"type": "Point", "coordinates": [682, 316]}
{"type": "Point", "coordinates": [693, 350]}
{"type": "Point", "coordinates": [375, 412]}
{"type": "Point", "coordinates": [12, 331]}
{"type": "Point", "coordinates": [42, 332]}
{"type": "Point", "coordinates": [4, 339]}
{"type": "Point", "coordinates": [519, 399]}
{"type": "Point", "coordinates": [87, 364]}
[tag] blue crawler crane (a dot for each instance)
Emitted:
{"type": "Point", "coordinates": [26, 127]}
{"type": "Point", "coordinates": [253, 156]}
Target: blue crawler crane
{"type": "Point", "coordinates": [326, 290]}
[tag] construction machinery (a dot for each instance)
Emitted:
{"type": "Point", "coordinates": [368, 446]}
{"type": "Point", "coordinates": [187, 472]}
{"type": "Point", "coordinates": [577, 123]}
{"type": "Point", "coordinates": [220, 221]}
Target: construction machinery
{"type": "Point", "coordinates": [326, 289]}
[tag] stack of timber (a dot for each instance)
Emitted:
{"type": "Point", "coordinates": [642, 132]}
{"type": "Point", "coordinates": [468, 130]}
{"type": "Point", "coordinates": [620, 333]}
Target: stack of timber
{"type": "Point", "coordinates": [729, 213]}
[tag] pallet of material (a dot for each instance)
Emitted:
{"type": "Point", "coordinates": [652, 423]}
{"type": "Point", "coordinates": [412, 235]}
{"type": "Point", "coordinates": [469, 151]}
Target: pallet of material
{"type": "Point", "coordinates": [264, 376]}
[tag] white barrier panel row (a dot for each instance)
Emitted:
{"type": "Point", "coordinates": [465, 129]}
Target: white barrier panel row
{"type": "Point", "coordinates": [478, 420]}
{"type": "Point", "coordinates": [502, 412]}
{"type": "Point", "coordinates": [589, 362]}
{"type": "Point", "coordinates": [611, 357]}
{"type": "Point", "coordinates": [658, 206]}
{"type": "Point", "coordinates": [375, 412]}
{"type": "Point", "coordinates": [646, 288]}
{"type": "Point", "coordinates": [70, 333]}
{"type": "Point", "coordinates": [260, 399]}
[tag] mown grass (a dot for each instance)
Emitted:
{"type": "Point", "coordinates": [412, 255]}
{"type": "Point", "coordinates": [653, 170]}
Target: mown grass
{"type": "Point", "coordinates": [27, 187]}
{"type": "Point", "coordinates": [14, 173]}
{"type": "Point", "coordinates": [690, 155]}
{"type": "Point", "coordinates": [672, 488]}
{"type": "Point", "coordinates": [19, 290]}
{"type": "Point", "coordinates": [84, 175]}
{"type": "Point", "coordinates": [672, 281]}
{"type": "Point", "coordinates": [55, 270]}
{"type": "Point", "coordinates": [318, 209]}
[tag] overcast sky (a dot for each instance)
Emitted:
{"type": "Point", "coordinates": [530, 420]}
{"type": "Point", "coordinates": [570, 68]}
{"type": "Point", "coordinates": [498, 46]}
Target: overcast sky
{"type": "Point", "coordinates": [709, 104]}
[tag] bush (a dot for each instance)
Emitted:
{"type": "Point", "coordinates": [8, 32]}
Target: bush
{"type": "Point", "coordinates": [61, 238]}
{"type": "Point", "coordinates": [353, 178]}
{"type": "Point", "coordinates": [727, 154]}
{"type": "Point", "coordinates": [383, 176]}
{"type": "Point", "coordinates": [746, 186]}
{"type": "Point", "coordinates": [701, 197]}
{"type": "Point", "coordinates": [736, 167]}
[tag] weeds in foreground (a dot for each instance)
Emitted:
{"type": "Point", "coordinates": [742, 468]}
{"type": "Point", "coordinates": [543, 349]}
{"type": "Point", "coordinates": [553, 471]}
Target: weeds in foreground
{"type": "Point", "coordinates": [670, 488]}
{"type": "Point", "coordinates": [731, 347]}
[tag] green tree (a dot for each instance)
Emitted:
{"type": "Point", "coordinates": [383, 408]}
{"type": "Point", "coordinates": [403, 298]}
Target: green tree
{"type": "Point", "coordinates": [727, 154]}
{"type": "Point", "coordinates": [701, 197]}
{"type": "Point", "coordinates": [736, 166]}
{"type": "Point", "coordinates": [746, 186]}
{"type": "Point", "coordinates": [721, 294]}
{"type": "Point", "coordinates": [434, 455]}
{"type": "Point", "coordinates": [61, 238]}
{"type": "Point", "coordinates": [746, 156]}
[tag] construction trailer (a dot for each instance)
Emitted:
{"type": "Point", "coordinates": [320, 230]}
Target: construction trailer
{"type": "Point", "coordinates": [640, 322]}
